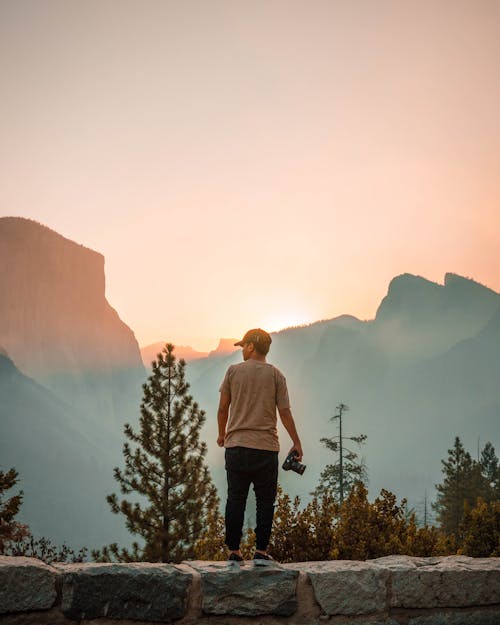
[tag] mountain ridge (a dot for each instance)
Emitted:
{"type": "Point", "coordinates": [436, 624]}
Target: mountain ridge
{"type": "Point", "coordinates": [64, 469]}
{"type": "Point", "coordinates": [411, 387]}
{"type": "Point", "coordinates": [421, 372]}
{"type": "Point", "coordinates": [56, 324]}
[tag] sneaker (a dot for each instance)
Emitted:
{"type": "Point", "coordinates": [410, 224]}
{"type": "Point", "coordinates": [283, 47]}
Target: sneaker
{"type": "Point", "coordinates": [234, 557]}
{"type": "Point", "coordinates": [263, 559]}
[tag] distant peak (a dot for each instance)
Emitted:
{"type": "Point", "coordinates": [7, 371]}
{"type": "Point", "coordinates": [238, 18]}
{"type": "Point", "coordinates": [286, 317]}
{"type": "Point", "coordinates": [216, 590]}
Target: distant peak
{"type": "Point", "coordinates": [347, 318]}
{"type": "Point", "coordinates": [406, 294]}
{"type": "Point", "coordinates": [453, 280]}
{"type": "Point", "coordinates": [416, 297]}
{"type": "Point", "coordinates": [24, 228]}
{"type": "Point", "coordinates": [450, 279]}
{"type": "Point", "coordinates": [409, 280]}
{"type": "Point", "coordinates": [225, 346]}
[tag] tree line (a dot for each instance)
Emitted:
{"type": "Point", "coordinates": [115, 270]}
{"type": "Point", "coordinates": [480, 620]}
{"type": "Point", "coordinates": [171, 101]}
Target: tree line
{"type": "Point", "coordinates": [174, 509]}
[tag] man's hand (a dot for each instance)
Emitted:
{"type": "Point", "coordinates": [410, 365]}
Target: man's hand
{"type": "Point", "coordinates": [289, 423]}
{"type": "Point", "coordinates": [298, 449]}
{"type": "Point", "coordinates": [220, 441]}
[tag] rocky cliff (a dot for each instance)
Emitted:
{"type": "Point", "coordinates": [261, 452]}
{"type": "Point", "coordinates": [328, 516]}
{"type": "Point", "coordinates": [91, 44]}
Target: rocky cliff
{"type": "Point", "coordinates": [56, 324]}
{"type": "Point", "coordinates": [70, 377]}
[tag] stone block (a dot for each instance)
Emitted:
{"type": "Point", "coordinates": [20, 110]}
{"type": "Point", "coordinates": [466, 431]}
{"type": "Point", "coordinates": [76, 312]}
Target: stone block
{"type": "Point", "coordinates": [139, 591]}
{"type": "Point", "coordinates": [348, 587]}
{"type": "Point", "coordinates": [457, 618]}
{"type": "Point", "coordinates": [26, 584]}
{"type": "Point", "coordinates": [247, 590]}
{"type": "Point", "coordinates": [444, 582]}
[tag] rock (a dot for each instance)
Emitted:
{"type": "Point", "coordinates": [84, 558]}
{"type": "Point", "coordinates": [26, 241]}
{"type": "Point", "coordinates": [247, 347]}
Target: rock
{"type": "Point", "coordinates": [443, 582]}
{"type": "Point", "coordinates": [26, 584]}
{"type": "Point", "coordinates": [457, 618]}
{"type": "Point", "coordinates": [348, 587]}
{"type": "Point", "coordinates": [141, 591]}
{"type": "Point", "coordinates": [247, 590]}
{"type": "Point", "coordinates": [56, 323]}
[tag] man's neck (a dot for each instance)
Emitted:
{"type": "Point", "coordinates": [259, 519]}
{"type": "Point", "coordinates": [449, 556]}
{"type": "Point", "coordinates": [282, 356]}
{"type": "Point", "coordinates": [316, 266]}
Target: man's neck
{"type": "Point", "coordinates": [257, 357]}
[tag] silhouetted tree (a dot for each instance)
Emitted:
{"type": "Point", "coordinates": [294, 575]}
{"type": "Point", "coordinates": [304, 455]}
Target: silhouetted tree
{"type": "Point", "coordinates": [167, 471]}
{"type": "Point", "coordinates": [340, 476]}
{"type": "Point", "coordinates": [45, 550]}
{"type": "Point", "coordinates": [463, 482]}
{"type": "Point", "coordinates": [10, 530]}
{"type": "Point", "coordinates": [490, 470]}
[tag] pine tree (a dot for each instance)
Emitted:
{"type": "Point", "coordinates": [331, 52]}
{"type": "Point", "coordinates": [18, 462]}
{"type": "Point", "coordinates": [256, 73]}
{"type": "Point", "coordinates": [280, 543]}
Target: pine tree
{"type": "Point", "coordinates": [166, 471]}
{"type": "Point", "coordinates": [340, 477]}
{"type": "Point", "coordinates": [463, 482]}
{"type": "Point", "coordinates": [490, 470]}
{"type": "Point", "coordinates": [10, 530]}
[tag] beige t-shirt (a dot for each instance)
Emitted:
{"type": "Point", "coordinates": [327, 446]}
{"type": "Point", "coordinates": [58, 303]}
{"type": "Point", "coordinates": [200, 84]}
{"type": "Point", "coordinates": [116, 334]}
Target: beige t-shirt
{"type": "Point", "coordinates": [256, 389]}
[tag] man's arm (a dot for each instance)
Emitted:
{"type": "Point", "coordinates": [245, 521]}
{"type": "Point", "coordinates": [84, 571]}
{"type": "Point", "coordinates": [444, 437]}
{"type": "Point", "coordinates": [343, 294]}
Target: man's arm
{"type": "Point", "coordinates": [222, 416]}
{"type": "Point", "coordinates": [289, 423]}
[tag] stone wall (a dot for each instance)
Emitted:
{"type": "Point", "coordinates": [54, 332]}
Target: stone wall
{"type": "Point", "coordinates": [396, 590]}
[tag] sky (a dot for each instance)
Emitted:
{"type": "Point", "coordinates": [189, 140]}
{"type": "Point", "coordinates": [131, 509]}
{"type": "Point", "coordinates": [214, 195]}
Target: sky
{"type": "Point", "coordinates": [266, 163]}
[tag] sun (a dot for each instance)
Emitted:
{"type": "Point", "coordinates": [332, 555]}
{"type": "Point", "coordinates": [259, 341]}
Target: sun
{"type": "Point", "coordinates": [288, 319]}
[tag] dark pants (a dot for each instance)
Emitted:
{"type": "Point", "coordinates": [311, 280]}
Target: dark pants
{"type": "Point", "coordinates": [243, 467]}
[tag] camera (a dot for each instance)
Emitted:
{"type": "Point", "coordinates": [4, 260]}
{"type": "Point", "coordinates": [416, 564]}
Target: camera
{"type": "Point", "coordinates": [291, 464]}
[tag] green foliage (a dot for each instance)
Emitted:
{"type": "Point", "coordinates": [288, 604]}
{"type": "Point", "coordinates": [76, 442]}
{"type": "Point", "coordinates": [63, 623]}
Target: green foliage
{"type": "Point", "coordinates": [490, 470]}
{"type": "Point", "coordinates": [248, 543]}
{"type": "Point", "coordinates": [166, 471]}
{"type": "Point", "coordinates": [211, 543]}
{"type": "Point", "coordinates": [480, 530]}
{"type": "Point", "coordinates": [11, 531]}
{"type": "Point", "coordinates": [326, 530]}
{"type": "Point", "coordinates": [303, 535]}
{"type": "Point", "coordinates": [464, 481]}
{"type": "Point", "coordinates": [372, 530]}
{"type": "Point", "coordinates": [339, 478]}
{"type": "Point", "coordinates": [425, 541]}
{"type": "Point", "coordinates": [358, 529]}
{"type": "Point", "coordinates": [43, 549]}
{"type": "Point", "coordinates": [284, 534]}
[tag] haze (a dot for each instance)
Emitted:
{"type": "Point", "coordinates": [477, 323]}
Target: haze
{"type": "Point", "coordinates": [263, 163]}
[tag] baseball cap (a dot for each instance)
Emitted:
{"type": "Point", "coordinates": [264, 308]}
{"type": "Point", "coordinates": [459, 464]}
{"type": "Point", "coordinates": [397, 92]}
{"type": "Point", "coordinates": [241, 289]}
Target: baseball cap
{"type": "Point", "coordinates": [257, 336]}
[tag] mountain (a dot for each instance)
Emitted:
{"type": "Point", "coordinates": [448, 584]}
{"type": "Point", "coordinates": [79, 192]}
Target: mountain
{"type": "Point", "coordinates": [420, 318]}
{"type": "Point", "coordinates": [149, 353]}
{"type": "Point", "coordinates": [65, 471]}
{"type": "Point", "coordinates": [423, 371]}
{"type": "Point", "coordinates": [225, 347]}
{"type": "Point", "coordinates": [57, 326]}
{"type": "Point", "coordinates": [70, 376]}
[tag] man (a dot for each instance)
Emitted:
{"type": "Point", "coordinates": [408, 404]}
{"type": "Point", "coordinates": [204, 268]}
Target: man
{"type": "Point", "coordinates": [249, 395]}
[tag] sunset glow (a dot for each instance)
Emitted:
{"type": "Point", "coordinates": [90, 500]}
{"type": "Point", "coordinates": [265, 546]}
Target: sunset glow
{"type": "Point", "coordinates": [255, 164]}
